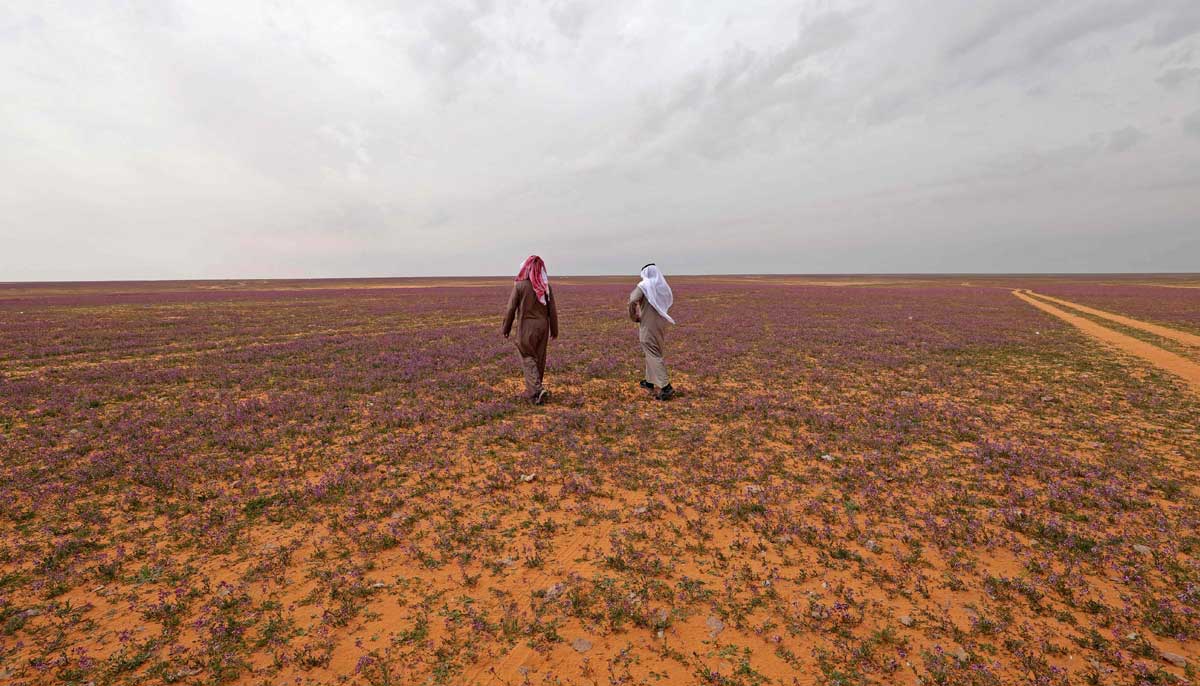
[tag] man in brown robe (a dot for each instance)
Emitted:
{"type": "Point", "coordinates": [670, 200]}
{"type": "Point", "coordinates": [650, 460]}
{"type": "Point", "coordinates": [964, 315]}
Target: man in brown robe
{"type": "Point", "coordinates": [648, 306]}
{"type": "Point", "coordinates": [532, 306]}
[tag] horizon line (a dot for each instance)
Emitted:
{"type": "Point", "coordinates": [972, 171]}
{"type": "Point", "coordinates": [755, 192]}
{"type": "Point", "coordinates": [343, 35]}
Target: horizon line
{"type": "Point", "coordinates": [597, 275]}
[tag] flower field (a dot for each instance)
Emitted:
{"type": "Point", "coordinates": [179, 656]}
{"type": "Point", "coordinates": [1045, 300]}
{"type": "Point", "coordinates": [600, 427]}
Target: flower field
{"type": "Point", "coordinates": [335, 482]}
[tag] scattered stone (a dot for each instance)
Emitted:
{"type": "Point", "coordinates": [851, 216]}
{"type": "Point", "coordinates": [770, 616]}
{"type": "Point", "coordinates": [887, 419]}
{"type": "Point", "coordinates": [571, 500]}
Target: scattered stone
{"type": "Point", "coordinates": [872, 546]}
{"type": "Point", "coordinates": [75, 433]}
{"type": "Point", "coordinates": [906, 620]}
{"type": "Point", "coordinates": [783, 539]}
{"type": "Point", "coordinates": [640, 510]}
{"type": "Point", "coordinates": [753, 489]}
{"type": "Point", "coordinates": [526, 478]}
{"type": "Point", "coordinates": [378, 584]}
{"type": "Point", "coordinates": [1175, 659]}
{"type": "Point", "coordinates": [960, 654]}
{"type": "Point", "coordinates": [827, 457]}
{"type": "Point", "coordinates": [819, 613]}
{"type": "Point", "coordinates": [31, 612]}
{"type": "Point", "coordinates": [1132, 637]}
{"type": "Point", "coordinates": [506, 561]}
{"type": "Point", "coordinates": [715, 625]}
{"type": "Point", "coordinates": [555, 591]}
{"type": "Point", "coordinates": [1142, 550]}
{"type": "Point", "coordinates": [581, 645]}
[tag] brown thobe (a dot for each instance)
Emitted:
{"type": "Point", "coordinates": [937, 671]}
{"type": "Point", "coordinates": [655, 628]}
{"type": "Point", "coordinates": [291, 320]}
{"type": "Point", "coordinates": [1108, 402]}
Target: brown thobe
{"type": "Point", "coordinates": [536, 323]}
{"type": "Point", "coordinates": [652, 333]}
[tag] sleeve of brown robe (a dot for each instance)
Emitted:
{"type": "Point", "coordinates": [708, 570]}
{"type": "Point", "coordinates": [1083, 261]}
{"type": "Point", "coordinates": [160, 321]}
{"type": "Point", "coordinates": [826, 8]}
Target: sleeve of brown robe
{"type": "Point", "coordinates": [550, 304]}
{"type": "Point", "coordinates": [635, 299]}
{"type": "Point", "coordinates": [513, 301]}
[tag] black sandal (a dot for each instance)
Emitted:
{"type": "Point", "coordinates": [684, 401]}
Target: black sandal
{"type": "Point", "coordinates": [646, 385]}
{"type": "Point", "coordinates": [666, 393]}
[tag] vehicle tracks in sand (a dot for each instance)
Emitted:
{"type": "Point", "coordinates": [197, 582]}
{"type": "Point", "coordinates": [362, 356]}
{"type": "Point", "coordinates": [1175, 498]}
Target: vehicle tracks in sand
{"type": "Point", "coordinates": [1181, 337]}
{"type": "Point", "coordinates": [1163, 359]}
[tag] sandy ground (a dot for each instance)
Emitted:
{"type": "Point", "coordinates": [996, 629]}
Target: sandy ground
{"type": "Point", "coordinates": [881, 484]}
{"type": "Point", "coordinates": [1163, 359]}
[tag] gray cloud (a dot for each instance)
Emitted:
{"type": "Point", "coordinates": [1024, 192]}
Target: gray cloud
{"type": "Point", "coordinates": [188, 139]}
{"type": "Point", "coordinates": [1182, 20]}
{"type": "Point", "coordinates": [1176, 76]}
{"type": "Point", "coordinates": [1191, 124]}
{"type": "Point", "coordinates": [1124, 139]}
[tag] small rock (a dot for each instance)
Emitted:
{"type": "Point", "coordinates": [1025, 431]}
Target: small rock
{"type": "Point", "coordinates": [31, 612]}
{"type": "Point", "coordinates": [640, 510]}
{"type": "Point", "coordinates": [819, 613]}
{"type": "Point", "coordinates": [753, 489]}
{"type": "Point", "coordinates": [506, 561]}
{"type": "Point", "coordinates": [872, 546]}
{"type": "Point", "coordinates": [581, 645]}
{"type": "Point", "coordinates": [555, 591]}
{"type": "Point", "coordinates": [526, 478]}
{"type": "Point", "coordinates": [1131, 637]}
{"type": "Point", "coordinates": [960, 654]}
{"type": "Point", "coordinates": [827, 457]}
{"type": "Point", "coordinates": [715, 625]}
{"type": "Point", "coordinates": [378, 584]}
{"type": "Point", "coordinates": [783, 539]}
{"type": "Point", "coordinates": [1175, 659]}
{"type": "Point", "coordinates": [1142, 550]}
{"type": "Point", "coordinates": [906, 620]}
{"type": "Point", "coordinates": [75, 433]}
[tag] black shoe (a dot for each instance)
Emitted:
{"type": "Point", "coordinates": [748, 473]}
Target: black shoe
{"type": "Point", "coordinates": [541, 398]}
{"type": "Point", "coordinates": [666, 393]}
{"type": "Point", "coordinates": [646, 385]}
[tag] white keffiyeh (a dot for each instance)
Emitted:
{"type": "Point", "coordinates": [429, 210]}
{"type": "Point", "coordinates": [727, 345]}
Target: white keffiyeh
{"type": "Point", "coordinates": [658, 293]}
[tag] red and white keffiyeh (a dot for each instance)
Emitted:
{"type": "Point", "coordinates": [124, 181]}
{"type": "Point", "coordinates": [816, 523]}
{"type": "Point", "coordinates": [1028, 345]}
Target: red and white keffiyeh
{"type": "Point", "coordinates": [534, 269]}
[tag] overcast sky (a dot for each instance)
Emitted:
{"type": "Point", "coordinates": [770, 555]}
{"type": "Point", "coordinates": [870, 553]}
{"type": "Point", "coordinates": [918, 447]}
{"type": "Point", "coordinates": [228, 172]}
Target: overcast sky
{"type": "Point", "coordinates": [162, 139]}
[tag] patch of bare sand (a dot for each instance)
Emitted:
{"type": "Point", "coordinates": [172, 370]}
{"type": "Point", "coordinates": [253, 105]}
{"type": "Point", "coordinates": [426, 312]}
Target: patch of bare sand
{"type": "Point", "coordinates": [1186, 369]}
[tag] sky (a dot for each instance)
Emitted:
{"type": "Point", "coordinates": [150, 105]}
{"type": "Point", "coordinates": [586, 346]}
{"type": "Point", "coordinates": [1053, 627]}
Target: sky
{"type": "Point", "coordinates": [165, 139]}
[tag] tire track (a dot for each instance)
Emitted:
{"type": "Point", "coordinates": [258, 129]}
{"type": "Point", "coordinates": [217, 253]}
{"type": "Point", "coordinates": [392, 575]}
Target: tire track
{"type": "Point", "coordinates": [1167, 332]}
{"type": "Point", "coordinates": [1163, 359]}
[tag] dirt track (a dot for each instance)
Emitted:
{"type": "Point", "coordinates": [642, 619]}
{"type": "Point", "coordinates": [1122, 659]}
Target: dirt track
{"type": "Point", "coordinates": [1163, 359]}
{"type": "Point", "coordinates": [1176, 335]}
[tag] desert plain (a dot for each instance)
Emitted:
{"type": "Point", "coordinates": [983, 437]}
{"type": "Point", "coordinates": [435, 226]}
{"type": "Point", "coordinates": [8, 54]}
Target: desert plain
{"type": "Point", "coordinates": [864, 480]}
